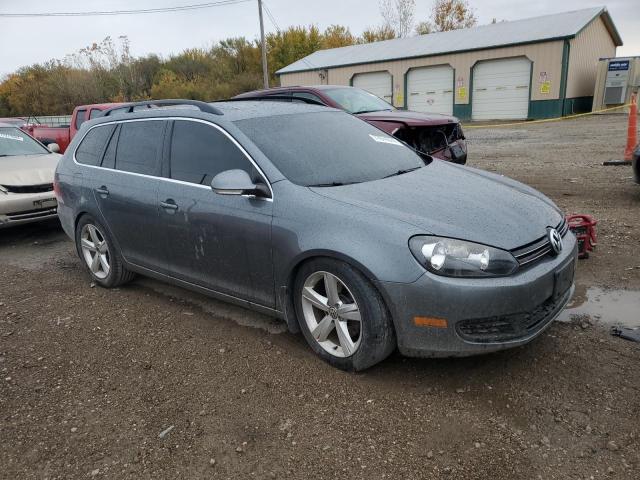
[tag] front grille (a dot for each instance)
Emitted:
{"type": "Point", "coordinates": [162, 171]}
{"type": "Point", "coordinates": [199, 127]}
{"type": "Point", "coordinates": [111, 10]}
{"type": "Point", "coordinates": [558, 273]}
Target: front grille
{"type": "Point", "coordinates": [45, 187]}
{"type": "Point", "coordinates": [539, 248]}
{"type": "Point", "coordinates": [511, 327]}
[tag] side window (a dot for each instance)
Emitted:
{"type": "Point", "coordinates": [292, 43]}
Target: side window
{"type": "Point", "coordinates": [140, 146]}
{"type": "Point", "coordinates": [310, 96]}
{"type": "Point", "coordinates": [199, 152]}
{"type": "Point", "coordinates": [90, 150]}
{"type": "Point", "coordinates": [94, 113]}
{"type": "Point", "coordinates": [81, 116]}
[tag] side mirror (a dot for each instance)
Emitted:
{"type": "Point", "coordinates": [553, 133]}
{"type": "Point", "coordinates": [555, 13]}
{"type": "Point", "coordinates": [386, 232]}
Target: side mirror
{"type": "Point", "coordinates": [236, 182]}
{"type": "Point", "coordinates": [54, 148]}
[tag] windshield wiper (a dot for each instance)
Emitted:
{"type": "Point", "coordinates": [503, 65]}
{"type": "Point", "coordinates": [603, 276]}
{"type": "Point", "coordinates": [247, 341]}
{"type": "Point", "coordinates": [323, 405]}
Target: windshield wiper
{"type": "Point", "coordinates": [332, 184]}
{"type": "Point", "coordinates": [402, 172]}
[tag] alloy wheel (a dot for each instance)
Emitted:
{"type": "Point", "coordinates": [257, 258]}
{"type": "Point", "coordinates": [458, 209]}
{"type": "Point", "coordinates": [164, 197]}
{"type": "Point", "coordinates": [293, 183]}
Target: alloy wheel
{"type": "Point", "coordinates": [332, 314]}
{"type": "Point", "coordinates": [95, 251]}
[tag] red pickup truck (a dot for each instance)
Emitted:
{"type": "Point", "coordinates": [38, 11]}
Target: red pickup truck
{"type": "Point", "coordinates": [63, 135]}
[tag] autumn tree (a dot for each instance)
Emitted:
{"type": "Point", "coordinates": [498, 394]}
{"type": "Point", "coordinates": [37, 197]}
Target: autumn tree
{"type": "Point", "coordinates": [452, 15]}
{"type": "Point", "coordinates": [424, 28]}
{"type": "Point", "coordinates": [398, 15]}
{"type": "Point", "coordinates": [106, 71]}
{"type": "Point", "coordinates": [377, 34]}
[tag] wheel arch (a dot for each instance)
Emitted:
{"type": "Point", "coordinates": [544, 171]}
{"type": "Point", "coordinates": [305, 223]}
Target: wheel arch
{"type": "Point", "coordinates": [98, 218]}
{"type": "Point", "coordinates": [286, 301]}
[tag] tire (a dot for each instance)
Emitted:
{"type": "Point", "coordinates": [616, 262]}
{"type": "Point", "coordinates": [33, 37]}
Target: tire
{"type": "Point", "coordinates": [109, 271]}
{"type": "Point", "coordinates": [372, 338]}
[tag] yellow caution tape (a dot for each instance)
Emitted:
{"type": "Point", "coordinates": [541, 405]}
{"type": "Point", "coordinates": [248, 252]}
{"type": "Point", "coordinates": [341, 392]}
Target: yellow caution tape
{"type": "Point", "coordinates": [546, 120]}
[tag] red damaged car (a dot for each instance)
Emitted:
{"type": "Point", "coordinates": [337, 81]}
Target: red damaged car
{"type": "Point", "coordinates": [428, 133]}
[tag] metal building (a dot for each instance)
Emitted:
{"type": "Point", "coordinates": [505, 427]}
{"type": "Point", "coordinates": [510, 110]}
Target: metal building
{"type": "Point", "coordinates": [538, 67]}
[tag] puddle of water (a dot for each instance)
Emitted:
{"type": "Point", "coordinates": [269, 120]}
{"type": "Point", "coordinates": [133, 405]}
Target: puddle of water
{"type": "Point", "coordinates": [612, 307]}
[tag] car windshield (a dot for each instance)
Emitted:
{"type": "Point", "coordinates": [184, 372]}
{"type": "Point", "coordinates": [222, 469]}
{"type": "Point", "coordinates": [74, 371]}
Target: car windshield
{"type": "Point", "coordinates": [14, 141]}
{"type": "Point", "coordinates": [355, 100]}
{"type": "Point", "coordinates": [329, 148]}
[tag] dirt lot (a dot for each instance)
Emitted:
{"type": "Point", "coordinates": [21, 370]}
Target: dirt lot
{"type": "Point", "coordinates": [90, 377]}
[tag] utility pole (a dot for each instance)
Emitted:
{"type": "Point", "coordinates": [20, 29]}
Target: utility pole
{"type": "Point", "coordinates": [265, 70]}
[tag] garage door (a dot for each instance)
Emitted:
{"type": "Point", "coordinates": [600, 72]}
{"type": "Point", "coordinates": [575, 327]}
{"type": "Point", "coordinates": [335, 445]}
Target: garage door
{"type": "Point", "coordinates": [378, 83]}
{"type": "Point", "coordinates": [501, 89]}
{"type": "Point", "coordinates": [430, 89]}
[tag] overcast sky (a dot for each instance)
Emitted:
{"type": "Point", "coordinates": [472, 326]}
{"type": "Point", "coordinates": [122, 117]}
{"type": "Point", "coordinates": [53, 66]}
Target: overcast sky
{"type": "Point", "coordinates": [29, 40]}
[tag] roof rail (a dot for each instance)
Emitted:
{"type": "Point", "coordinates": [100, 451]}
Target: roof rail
{"type": "Point", "coordinates": [276, 98]}
{"type": "Point", "coordinates": [129, 107]}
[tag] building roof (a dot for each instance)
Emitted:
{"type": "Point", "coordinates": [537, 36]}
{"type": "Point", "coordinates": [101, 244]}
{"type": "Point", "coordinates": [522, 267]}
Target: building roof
{"type": "Point", "coordinates": [529, 30]}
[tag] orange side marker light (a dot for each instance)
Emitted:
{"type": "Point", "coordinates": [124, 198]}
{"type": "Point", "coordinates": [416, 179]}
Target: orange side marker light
{"type": "Point", "coordinates": [430, 322]}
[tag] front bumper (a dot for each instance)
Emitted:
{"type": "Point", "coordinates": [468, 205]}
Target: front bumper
{"type": "Point", "coordinates": [17, 209]}
{"type": "Point", "coordinates": [483, 315]}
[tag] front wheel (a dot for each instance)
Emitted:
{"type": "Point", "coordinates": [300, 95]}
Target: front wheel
{"type": "Point", "coordinates": [342, 315]}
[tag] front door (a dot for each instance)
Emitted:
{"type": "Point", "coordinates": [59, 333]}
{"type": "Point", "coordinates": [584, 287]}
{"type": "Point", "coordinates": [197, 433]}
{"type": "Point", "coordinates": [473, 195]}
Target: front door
{"type": "Point", "coordinates": [216, 241]}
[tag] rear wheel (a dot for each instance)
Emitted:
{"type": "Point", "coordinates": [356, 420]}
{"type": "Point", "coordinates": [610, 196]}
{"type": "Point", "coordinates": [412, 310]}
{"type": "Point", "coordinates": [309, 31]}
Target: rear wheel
{"type": "Point", "coordinates": [99, 254]}
{"type": "Point", "coordinates": [342, 315]}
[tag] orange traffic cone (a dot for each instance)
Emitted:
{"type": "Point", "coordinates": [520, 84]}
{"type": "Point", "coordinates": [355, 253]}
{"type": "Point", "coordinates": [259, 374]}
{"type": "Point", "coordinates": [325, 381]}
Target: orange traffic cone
{"type": "Point", "coordinates": [632, 129]}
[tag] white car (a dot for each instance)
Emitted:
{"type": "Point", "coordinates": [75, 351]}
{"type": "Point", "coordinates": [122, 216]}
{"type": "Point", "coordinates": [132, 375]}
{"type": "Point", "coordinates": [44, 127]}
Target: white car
{"type": "Point", "coordinates": [26, 178]}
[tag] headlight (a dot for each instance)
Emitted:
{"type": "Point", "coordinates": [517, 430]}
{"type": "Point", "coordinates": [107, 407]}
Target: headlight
{"type": "Point", "coordinates": [458, 258]}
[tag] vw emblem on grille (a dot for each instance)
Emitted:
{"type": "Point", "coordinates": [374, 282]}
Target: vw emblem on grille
{"type": "Point", "coordinates": [555, 240]}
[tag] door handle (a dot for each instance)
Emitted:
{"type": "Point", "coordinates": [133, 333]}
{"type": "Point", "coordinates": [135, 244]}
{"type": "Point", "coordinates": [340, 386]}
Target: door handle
{"type": "Point", "coordinates": [169, 205]}
{"type": "Point", "coordinates": [102, 190]}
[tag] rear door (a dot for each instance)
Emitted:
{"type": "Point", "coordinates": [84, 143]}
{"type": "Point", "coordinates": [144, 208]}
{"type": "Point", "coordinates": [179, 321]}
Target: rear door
{"type": "Point", "coordinates": [220, 242]}
{"type": "Point", "coordinates": [126, 191]}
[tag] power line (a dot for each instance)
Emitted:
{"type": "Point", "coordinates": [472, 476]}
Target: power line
{"type": "Point", "coordinates": [275, 24]}
{"type": "Point", "coordinates": [179, 8]}
{"type": "Point", "coordinates": [270, 15]}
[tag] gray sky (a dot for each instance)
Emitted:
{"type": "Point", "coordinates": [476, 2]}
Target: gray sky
{"type": "Point", "coordinates": [29, 40]}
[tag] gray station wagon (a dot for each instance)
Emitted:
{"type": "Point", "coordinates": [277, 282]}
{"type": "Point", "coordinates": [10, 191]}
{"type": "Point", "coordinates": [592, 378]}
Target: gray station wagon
{"type": "Point", "coordinates": [312, 215]}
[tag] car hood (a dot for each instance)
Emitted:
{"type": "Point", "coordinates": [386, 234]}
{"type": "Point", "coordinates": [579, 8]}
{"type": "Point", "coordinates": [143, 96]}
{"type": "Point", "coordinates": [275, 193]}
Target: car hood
{"type": "Point", "coordinates": [458, 202]}
{"type": "Point", "coordinates": [412, 119]}
{"type": "Point", "coordinates": [22, 170]}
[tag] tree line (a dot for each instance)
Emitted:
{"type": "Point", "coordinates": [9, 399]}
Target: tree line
{"type": "Point", "coordinates": [107, 71]}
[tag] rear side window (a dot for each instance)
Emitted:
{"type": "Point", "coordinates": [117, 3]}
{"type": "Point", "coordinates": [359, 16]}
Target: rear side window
{"type": "Point", "coordinates": [199, 152]}
{"type": "Point", "coordinates": [140, 146]}
{"type": "Point", "coordinates": [91, 148]}
{"type": "Point", "coordinates": [81, 116]}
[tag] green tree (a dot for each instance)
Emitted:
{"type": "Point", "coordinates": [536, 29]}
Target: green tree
{"type": "Point", "coordinates": [337, 36]}
{"type": "Point", "coordinates": [290, 45]}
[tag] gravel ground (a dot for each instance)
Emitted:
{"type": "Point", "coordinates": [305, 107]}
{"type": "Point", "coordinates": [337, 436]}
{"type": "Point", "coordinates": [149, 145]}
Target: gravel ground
{"type": "Point", "coordinates": [153, 382]}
